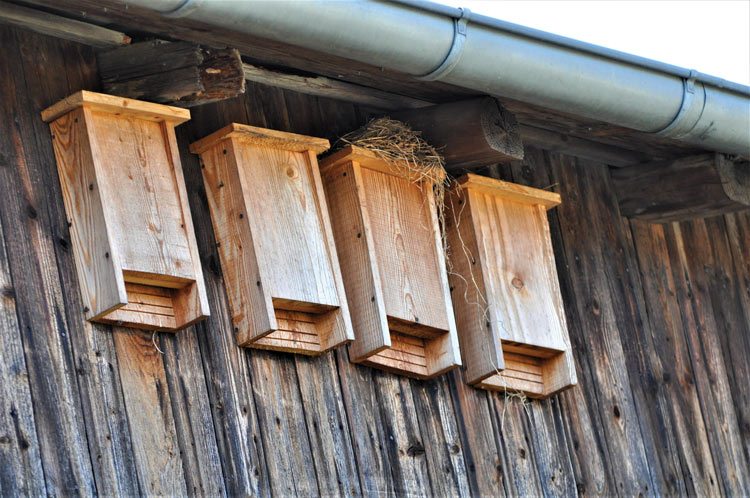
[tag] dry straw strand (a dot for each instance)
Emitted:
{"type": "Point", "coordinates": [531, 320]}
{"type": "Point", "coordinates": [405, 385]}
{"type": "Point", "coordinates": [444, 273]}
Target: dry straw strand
{"type": "Point", "coordinates": [404, 150]}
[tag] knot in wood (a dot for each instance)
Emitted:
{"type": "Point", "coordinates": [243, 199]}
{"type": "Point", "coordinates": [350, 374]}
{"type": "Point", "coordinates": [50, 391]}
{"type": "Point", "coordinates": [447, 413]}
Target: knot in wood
{"type": "Point", "coordinates": [517, 283]}
{"type": "Point", "coordinates": [291, 172]}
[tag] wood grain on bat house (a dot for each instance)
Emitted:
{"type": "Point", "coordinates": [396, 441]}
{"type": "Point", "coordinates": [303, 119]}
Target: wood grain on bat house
{"type": "Point", "coordinates": [510, 316]}
{"type": "Point", "coordinates": [130, 224]}
{"type": "Point", "coordinates": [387, 234]}
{"type": "Point", "coordinates": [275, 240]}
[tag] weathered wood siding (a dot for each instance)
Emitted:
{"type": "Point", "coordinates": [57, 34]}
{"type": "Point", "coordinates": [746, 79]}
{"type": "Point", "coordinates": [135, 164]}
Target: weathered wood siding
{"type": "Point", "coordinates": [658, 316]}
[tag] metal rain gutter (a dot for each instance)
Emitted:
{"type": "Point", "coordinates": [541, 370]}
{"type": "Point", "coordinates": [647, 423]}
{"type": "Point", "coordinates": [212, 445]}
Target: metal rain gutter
{"type": "Point", "coordinates": [436, 42]}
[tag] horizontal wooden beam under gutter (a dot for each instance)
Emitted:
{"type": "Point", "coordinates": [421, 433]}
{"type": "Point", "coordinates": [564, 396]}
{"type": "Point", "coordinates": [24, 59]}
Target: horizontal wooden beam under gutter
{"type": "Point", "coordinates": [61, 27]}
{"type": "Point", "coordinates": [326, 87]}
{"type": "Point", "coordinates": [692, 187]}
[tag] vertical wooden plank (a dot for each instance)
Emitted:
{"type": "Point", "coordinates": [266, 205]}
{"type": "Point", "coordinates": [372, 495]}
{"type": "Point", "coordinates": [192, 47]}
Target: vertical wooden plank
{"type": "Point", "coordinates": [44, 61]}
{"type": "Point", "coordinates": [149, 409]}
{"type": "Point", "coordinates": [602, 319]}
{"type": "Point", "coordinates": [404, 443]}
{"type": "Point", "coordinates": [519, 458]}
{"type": "Point", "coordinates": [686, 460]}
{"type": "Point", "coordinates": [284, 432]}
{"type": "Point", "coordinates": [329, 429]}
{"type": "Point", "coordinates": [23, 209]}
{"type": "Point", "coordinates": [486, 472]}
{"type": "Point", "coordinates": [367, 427]}
{"type": "Point", "coordinates": [192, 414]}
{"type": "Point", "coordinates": [699, 274]}
{"type": "Point", "coordinates": [229, 389]}
{"type": "Point", "coordinates": [440, 434]}
{"type": "Point", "coordinates": [21, 470]}
{"type": "Point", "coordinates": [738, 231]}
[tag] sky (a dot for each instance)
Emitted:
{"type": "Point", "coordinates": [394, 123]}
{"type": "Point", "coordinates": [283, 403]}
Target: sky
{"type": "Point", "coordinates": [712, 37]}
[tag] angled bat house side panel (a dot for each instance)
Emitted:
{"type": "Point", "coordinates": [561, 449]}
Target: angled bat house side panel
{"type": "Point", "coordinates": [275, 241]}
{"type": "Point", "coordinates": [506, 296]}
{"type": "Point", "coordinates": [124, 193]}
{"type": "Point", "coordinates": [391, 253]}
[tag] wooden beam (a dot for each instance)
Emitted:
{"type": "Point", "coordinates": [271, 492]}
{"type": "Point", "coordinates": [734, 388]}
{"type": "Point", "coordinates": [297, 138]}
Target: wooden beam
{"type": "Point", "coordinates": [61, 27]}
{"type": "Point", "coordinates": [470, 133]}
{"type": "Point", "coordinates": [330, 88]}
{"type": "Point", "coordinates": [574, 146]}
{"type": "Point", "coordinates": [681, 189]}
{"type": "Point", "coordinates": [178, 73]}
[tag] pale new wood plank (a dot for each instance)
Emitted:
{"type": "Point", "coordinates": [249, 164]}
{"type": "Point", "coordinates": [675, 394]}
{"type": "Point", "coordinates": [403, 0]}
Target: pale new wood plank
{"type": "Point", "coordinates": [270, 175]}
{"type": "Point", "coordinates": [127, 316]}
{"type": "Point", "coordinates": [396, 233]}
{"type": "Point", "coordinates": [502, 383]}
{"type": "Point", "coordinates": [192, 304]}
{"type": "Point", "coordinates": [396, 366]}
{"type": "Point", "coordinates": [116, 106]}
{"type": "Point", "coordinates": [277, 186]}
{"type": "Point", "coordinates": [505, 254]}
{"type": "Point", "coordinates": [262, 137]}
{"type": "Point", "coordinates": [286, 345]}
{"type": "Point", "coordinates": [409, 269]}
{"type": "Point", "coordinates": [150, 299]}
{"type": "Point", "coordinates": [142, 190]}
{"type": "Point", "coordinates": [529, 352]}
{"type": "Point", "coordinates": [250, 305]}
{"type": "Point", "coordinates": [147, 290]}
{"type": "Point", "coordinates": [510, 191]}
{"type": "Point", "coordinates": [359, 266]}
{"type": "Point", "coordinates": [94, 248]}
{"type": "Point", "coordinates": [481, 352]}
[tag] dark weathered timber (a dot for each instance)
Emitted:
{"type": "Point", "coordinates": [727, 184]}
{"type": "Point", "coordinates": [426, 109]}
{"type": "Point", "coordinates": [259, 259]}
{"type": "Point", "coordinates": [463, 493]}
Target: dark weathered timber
{"type": "Point", "coordinates": [682, 189]}
{"type": "Point", "coordinates": [179, 73]}
{"type": "Point", "coordinates": [440, 434]}
{"type": "Point", "coordinates": [107, 427]}
{"type": "Point", "coordinates": [700, 288]}
{"type": "Point", "coordinates": [666, 357]}
{"type": "Point", "coordinates": [734, 343]}
{"type": "Point", "coordinates": [602, 312]}
{"type": "Point", "coordinates": [152, 429]}
{"type": "Point", "coordinates": [657, 314]}
{"type": "Point", "coordinates": [192, 414]}
{"type": "Point", "coordinates": [321, 86]}
{"type": "Point", "coordinates": [60, 27]}
{"type": "Point", "coordinates": [20, 462]}
{"type": "Point", "coordinates": [470, 134]}
{"type": "Point", "coordinates": [58, 414]}
{"type": "Point", "coordinates": [554, 141]}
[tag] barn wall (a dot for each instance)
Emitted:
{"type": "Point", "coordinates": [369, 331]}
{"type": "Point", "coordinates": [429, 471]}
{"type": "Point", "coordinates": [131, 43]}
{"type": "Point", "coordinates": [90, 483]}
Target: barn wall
{"type": "Point", "coordinates": [659, 318]}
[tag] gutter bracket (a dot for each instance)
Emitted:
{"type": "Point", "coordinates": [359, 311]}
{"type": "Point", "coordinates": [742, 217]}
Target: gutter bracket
{"type": "Point", "coordinates": [460, 32]}
{"type": "Point", "coordinates": [691, 109]}
{"type": "Point", "coordinates": [186, 8]}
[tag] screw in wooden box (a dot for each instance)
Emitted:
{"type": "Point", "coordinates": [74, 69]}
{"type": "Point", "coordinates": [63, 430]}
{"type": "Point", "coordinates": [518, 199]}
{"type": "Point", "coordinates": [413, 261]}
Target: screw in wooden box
{"type": "Point", "coordinates": [387, 234]}
{"type": "Point", "coordinates": [275, 242]}
{"type": "Point", "coordinates": [509, 312]}
{"type": "Point", "coordinates": [130, 225]}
